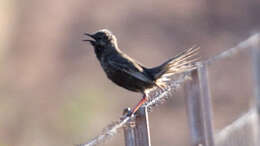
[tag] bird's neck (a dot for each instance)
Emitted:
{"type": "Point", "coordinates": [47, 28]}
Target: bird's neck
{"type": "Point", "coordinates": [104, 52]}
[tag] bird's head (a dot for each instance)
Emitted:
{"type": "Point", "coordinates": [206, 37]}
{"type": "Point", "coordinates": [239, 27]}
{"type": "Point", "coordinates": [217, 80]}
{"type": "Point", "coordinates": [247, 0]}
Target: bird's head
{"type": "Point", "coordinates": [102, 39]}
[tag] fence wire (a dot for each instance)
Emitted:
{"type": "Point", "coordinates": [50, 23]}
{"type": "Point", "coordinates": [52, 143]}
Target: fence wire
{"type": "Point", "coordinates": [159, 96]}
{"type": "Point", "coordinates": [249, 43]}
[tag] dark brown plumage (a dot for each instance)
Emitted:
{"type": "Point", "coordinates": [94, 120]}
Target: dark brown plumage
{"type": "Point", "coordinates": [127, 73]}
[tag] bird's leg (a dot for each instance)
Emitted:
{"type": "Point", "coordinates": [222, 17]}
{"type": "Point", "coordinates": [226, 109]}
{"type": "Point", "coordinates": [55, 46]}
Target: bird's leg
{"type": "Point", "coordinates": [140, 103]}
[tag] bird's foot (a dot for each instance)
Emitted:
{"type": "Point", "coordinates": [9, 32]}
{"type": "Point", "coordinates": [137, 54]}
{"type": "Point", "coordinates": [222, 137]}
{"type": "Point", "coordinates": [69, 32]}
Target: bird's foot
{"type": "Point", "coordinates": [128, 112]}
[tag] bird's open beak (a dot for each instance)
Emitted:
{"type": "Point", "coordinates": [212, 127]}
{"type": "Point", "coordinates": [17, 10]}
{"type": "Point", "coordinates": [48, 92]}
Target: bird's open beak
{"type": "Point", "coordinates": [89, 35]}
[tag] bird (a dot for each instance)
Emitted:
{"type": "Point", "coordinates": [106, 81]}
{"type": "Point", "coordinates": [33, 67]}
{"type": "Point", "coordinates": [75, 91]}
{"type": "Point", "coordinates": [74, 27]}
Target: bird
{"type": "Point", "coordinates": [132, 75]}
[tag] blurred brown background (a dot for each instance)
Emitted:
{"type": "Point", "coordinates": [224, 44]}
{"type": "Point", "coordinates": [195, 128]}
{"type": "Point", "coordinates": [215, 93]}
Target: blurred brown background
{"type": "Point", "coordinates": [54, 92]}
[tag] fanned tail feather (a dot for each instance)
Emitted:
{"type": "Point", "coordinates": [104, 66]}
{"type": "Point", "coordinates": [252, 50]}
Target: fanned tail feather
{"type": "Point", "coordinates": [185, 61]}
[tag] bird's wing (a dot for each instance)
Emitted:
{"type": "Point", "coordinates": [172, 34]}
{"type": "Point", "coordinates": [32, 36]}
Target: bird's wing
{"type": "Point", "coordinates": [130, 68]}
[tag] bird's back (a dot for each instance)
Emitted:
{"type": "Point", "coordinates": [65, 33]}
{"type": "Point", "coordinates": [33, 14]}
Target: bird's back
{"type": "Point", "coordinates": [126, 73]}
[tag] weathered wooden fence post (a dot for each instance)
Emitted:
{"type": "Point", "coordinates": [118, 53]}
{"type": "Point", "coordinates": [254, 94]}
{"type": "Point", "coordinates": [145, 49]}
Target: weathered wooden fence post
{"type": "Point", "coordinates": [256, 71]}
{"type": "Point", "coordinates": [137, 131]}
{"type": "Point", "coordinates": [199, 107]}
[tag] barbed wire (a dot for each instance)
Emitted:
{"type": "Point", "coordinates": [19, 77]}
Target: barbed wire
{"type": "Point", "coordinates": [108, 132]}
{"type": "Point", "coordinates": [249, 43]}
{"type": "Point", "coordinates": [160, 96]}
{"type": "Point", "coordinates": [243, 122]}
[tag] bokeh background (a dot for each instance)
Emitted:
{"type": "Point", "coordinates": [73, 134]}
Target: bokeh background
{"type": "Point", "coordinates": [54, 92]}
